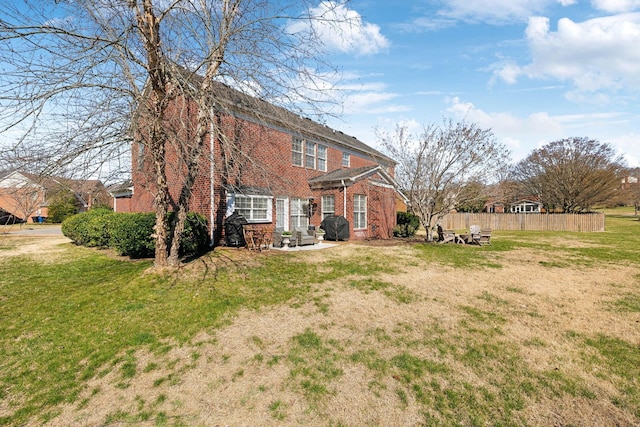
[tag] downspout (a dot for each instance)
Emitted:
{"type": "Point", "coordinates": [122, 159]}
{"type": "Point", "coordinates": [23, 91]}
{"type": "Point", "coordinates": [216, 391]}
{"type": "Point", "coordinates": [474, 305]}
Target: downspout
{"type": "Point", "coordinates": [212, 194]}
{"type": "Point", "coordinates": [344, 195]}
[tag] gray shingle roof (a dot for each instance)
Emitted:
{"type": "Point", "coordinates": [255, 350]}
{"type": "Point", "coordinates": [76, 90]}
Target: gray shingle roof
{"type": "Point", "coordinates": [240, 104]}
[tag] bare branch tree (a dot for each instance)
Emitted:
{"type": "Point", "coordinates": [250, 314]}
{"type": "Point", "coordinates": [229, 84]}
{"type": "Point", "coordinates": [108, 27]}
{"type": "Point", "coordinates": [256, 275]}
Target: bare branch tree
{"type": "Point", "coordinates": [84, 79]}
{"type": "Point", "coordinates": [571, 175]}
{"type": "Point", "coordinates": [434, 169]}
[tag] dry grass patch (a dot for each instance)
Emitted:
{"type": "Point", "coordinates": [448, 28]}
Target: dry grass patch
{"type": "Point", "coordinates": [386, 335]}
{"type": "Point", "coordinates": [469, 346]}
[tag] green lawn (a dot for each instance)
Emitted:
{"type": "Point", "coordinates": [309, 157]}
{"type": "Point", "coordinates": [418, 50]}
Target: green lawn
{"type": "Point", "coordinates": [82, 314]}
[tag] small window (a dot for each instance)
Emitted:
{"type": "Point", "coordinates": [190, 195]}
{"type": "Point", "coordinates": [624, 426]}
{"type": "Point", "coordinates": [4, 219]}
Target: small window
{"type": "Point", "coordinates": [310, 155]}
{"type": "Point", "coordinates": [328, 206]}
{"type": "Point", "coordinates": [322, 158]}
{"type": "Point", "coordinates": [346, 160]}
{"type": "Point", "coordinates": [296, 152]}
{"type": "Point", "coordinates": [359, 211]}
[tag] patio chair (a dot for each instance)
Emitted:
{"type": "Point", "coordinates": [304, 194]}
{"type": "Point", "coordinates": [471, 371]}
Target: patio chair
{"type": "Point", "coordinates": [277, 238]}
{"type": "Point", "coordinates": [304, 236]}
{"type": "Point", "coordinates": [448, 236]}
{"type": "Point", "coordinates": [485, 237]}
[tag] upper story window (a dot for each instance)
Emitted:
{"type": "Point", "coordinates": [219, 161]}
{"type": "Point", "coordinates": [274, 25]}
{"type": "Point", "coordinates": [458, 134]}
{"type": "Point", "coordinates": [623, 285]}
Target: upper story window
{"type": "Point", "coordinates": [322, 158]}
{"type": "Point", "coordinates": [296, 152]}
{"type": "Point", "coordinates": [309, 154]}
{"type": "Point", "coordinates": [346, 159]}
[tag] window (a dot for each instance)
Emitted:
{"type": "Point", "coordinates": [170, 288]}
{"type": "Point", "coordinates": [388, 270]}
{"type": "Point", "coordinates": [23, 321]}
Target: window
{"type": "Point", "coordinates": [328, 206]}
{"type": "Point", "coordinates": [346, 159]}
{"type": "Point", "coordinates": [299, 209]}
{"type": "Point", "coordinates": [359, 211]}
{"type": "Point", "coordinates": [310, 155]}
{"type": "Point", "coordinates": [303, 153]}
{"type": "Point", "coordinates": [296, 152]}
{"type": "Point", "coordinates": [322, 158]}
{"type": "Point", "coordinates": [253, 208]}
{"type": "Point", "coordinates": [282, 213]}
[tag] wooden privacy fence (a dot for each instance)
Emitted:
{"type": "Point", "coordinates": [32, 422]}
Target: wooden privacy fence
{"type": "Point", "coordinates": [528, 222]}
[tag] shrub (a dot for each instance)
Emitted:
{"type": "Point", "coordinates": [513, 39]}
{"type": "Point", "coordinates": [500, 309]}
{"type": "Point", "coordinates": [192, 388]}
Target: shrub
{"type": "Point", "coordinates": [195, 238]}
{"type": "Point", "coordinates": [131, 234]}
{"type": "Point", "coordinates": [88, 228]}
{"type": "Point", "coordinates": [408, 224]}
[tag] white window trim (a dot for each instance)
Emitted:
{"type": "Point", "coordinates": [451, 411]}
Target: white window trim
{"type": "Point", "coordinates": [285, 201]}
{"type": "Point", "coordinates": [302, 213]}
{"type": "Point", "coordinates": [231, 207]}
{"type": "Point", "coordinates": [355, 226]}
{"type": "Point", "coordinates": [307, 154]}
{"type": "Point", "coordinates": [324, 159]}
{"type": "Point", "coordinates": [325, 212]}
{"type": "Point", "coordinates": [346, 158]}
{"type": "Point", "coordinates": [301, 153]}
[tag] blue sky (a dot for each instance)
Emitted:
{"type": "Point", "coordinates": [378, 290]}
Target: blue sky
{"type": "Point", "coordinates": [532, 71]}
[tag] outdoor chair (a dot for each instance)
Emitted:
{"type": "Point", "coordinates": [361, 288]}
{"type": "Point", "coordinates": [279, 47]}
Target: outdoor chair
{"type": "Point", "coordinates": [448, 236]}
{"type": "Point", "coordinates": [277, 238]}
{"type": "Point", "coordinates": [484, 237]}
{"type": "Point", "coordinates": [304, 236]}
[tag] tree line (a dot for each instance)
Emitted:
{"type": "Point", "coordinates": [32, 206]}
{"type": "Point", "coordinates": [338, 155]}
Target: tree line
{"type": "Point", "coordinates": [459, 166]}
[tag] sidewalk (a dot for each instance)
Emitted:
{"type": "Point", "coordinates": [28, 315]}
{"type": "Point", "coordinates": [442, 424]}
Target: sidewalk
{"type": "Point", "coordinates": [32, 230]}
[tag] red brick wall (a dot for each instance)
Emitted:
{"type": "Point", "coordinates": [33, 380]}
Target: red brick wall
{"type": "Point", "coordinates": [255, 155]}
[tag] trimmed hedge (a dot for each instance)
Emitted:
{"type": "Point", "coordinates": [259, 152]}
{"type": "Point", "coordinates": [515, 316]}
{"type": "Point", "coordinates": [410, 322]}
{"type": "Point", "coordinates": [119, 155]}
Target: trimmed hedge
{"type": "Point", "coordinates": [90, 228]}
{"type": "Point", "coordinates": [131, 234]}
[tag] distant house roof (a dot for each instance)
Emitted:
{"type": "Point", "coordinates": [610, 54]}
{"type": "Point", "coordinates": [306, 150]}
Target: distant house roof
{"type": "Point", "coordinates": [228, 99]}
{"type": "Point", "coordinates": [122, 189]}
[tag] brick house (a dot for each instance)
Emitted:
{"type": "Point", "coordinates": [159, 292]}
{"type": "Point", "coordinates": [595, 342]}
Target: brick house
{"type": "Point", "coordinates": [25, 197]}
{"type": "Point", "coordinates": [277, 169]}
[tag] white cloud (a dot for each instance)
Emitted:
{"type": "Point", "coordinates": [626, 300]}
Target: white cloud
{"type": "Point", "coordinates": [598, 54]}
{"type": "Point", "coordinates": [496, 11]}
{"type": "Point", "coordinates": [616, 6]}
{"type": "Point", "coordinates": [628, 146]}
{"type": "Point", "coordinates": [523, 134]}
{"type": "Point", "coordinates": [343, 29]}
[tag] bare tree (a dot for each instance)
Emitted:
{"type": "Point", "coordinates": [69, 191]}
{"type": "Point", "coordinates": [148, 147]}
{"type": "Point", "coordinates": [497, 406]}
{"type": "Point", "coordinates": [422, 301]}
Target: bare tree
{"type": "Point", "coordinates": [435, 168]}
{"type": "Point", "coordinates": [571, 175]}
{"type": "Point", "coordinates": [85, 78]}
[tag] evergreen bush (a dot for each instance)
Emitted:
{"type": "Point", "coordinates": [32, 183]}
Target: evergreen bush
{"type": "Point", "coordinates": [87, 228]}
{"type": "Point", "coordinates": [408, 224]}
{"type": "Point", "coordinates": [132, 234]}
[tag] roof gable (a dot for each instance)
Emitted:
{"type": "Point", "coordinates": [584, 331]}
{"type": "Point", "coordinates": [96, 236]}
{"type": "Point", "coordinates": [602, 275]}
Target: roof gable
{"type": "Point", "coordinates": [347, 177]}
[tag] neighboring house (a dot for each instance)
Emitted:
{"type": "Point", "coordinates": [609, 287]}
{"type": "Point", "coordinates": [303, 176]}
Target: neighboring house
{"type": "Point", "coordinates": [121, 195]}
{"type": "Point", "coordinates": [278, 169]}
{"type": "Point", "coordinates": [26, 196]}
{"type": "Point", "coordinates": [526, 206]}
{"type": "Point", "coordinates": [493, 206]}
